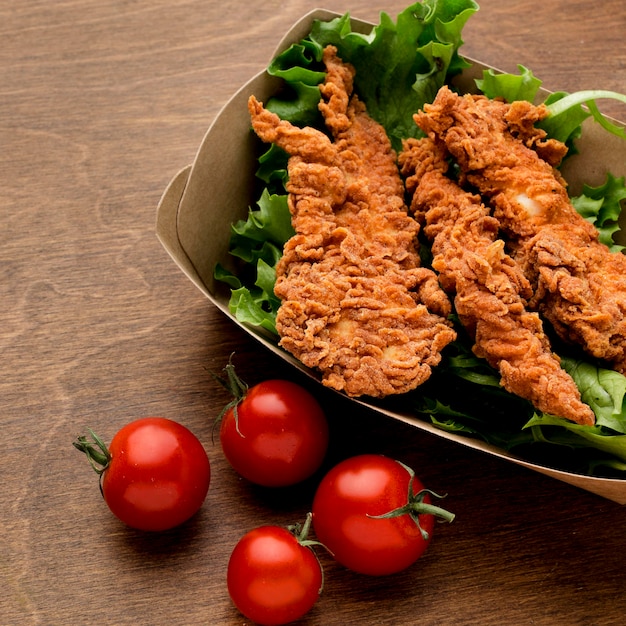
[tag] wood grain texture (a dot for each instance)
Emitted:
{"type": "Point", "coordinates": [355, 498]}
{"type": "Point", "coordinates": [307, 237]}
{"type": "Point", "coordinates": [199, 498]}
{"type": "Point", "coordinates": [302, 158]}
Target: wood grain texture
{"type": "Point", "coordinates": [100, 104]}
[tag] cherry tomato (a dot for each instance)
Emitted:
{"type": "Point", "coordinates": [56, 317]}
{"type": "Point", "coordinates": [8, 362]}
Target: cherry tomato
{"type": "Point", "coordinates": [274, 434]}
{"type": "Point", "coordinates": [155, 474]}
{"type": "Point", "coordinates": [374, 515]}
{"type": "Point", "coordinates": [273, 575]}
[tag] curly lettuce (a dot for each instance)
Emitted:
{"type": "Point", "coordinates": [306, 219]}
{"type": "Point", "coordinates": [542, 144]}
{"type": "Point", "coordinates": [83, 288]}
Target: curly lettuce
{"type": "Point", "coordinates": [258, 242]}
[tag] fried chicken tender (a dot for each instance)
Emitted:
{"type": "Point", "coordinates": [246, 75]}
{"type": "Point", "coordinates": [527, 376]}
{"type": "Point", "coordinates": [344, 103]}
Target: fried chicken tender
{"type": "Point", "coordinates": [355, 303]}
{"type": "Point", "coordinates": [579, 286]}
{"type": "Point", "coordinates": [488, 286]}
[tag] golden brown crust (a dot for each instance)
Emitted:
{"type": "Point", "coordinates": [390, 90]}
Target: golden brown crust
{"type": "Point", "coordinates": [578, 284]}
{"type": "Point", "coordinates": [489, 288]}
{"type": "Point", "coordinates": [355, 303]}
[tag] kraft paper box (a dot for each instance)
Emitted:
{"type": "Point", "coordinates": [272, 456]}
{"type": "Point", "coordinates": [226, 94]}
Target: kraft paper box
{"type": "Point", "coordinates": [199, 205]}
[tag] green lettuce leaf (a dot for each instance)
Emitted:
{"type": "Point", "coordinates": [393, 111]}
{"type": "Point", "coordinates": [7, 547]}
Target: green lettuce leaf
{"type": "Point", "coordinates": [272, 169]}
{"type": "Point", "coordinates": [602, 389]}
{"type": "Point", "coordinates": [576, 436]}
{"type": "Point", "coordinates": [563, 106]}
{"type": "Point", "coordinates": [258, 242]}
{"type": "Point", "coordinates": [478, 407]}
{"type": "Point", "coordinates": [399, 65]}
{"type": "Point", "coordinates": [602, 207]}
{"type": "Point", "coordinates": [265, 231]}
{"type": "Point", "coordinates": [299, 66]}
{"type": "Point", "coordinates": [249, 307]}
{"type": "Point", "coordinates": [511, 87]}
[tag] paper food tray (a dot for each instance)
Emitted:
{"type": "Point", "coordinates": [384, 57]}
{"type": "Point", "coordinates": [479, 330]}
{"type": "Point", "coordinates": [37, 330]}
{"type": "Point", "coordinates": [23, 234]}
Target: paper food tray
{"type": "Point", "coordinates": [201, 202]}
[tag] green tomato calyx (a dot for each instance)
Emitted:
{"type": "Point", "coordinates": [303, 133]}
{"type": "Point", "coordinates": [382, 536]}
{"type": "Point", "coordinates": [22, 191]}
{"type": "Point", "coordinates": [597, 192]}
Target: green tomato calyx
{"type": "Point", "coordinates": [301, 533]}
{"type": "Point", "coordinates": [96, 450]}
{"type": "Point", "coordinates": [416, 506]}
{"type": "Point", "coordinates": [237, 387]}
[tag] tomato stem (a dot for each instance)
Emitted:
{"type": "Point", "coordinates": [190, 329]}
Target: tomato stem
{"type": "Point", "coordinates": [416, 506]}
{"type": "Point", "coordinates": [301, 532]}
{"type": "Point", "coordinates": [96, 450]}
{"type": "Point", "coordinates": [237, 387]}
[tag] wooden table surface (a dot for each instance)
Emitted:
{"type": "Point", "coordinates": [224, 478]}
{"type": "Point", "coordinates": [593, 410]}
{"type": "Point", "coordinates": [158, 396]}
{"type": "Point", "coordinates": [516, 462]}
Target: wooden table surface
{"type": "Point", "coordinates": [101, 102]}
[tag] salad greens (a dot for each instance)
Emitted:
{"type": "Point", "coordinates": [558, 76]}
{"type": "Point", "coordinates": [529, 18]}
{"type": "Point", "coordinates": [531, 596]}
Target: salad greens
{"type": "Point", "coordinates": [566, 112]}
{"type": "Point", "coordinates": [400, 66]}
{"type": "Point", "coordinates": [258, 242]}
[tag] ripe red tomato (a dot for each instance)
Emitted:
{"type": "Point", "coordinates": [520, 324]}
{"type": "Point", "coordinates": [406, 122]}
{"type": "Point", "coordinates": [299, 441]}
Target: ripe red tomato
{"type": "Point", "coordinates": [155, 474]}
{"type": "Point", "coordinates": [273, 577]}
{"type": "Point", "coordinates": [274, 434]}
{"type": "Point", "coordinates": [348, 506]}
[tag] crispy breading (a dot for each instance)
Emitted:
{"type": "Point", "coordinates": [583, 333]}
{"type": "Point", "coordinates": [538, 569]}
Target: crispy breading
{"type": "Point", "coordinates": [356, 304]}
{"type": "Point", "coordinates": [489, 288]}
{"type": "Point", "coordinates": [578, 284]}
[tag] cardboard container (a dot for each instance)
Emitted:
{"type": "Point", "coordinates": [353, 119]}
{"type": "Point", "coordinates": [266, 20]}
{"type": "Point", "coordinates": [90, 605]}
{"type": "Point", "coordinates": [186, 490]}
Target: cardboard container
{"type": "Point", "coordinates": [201, 202]}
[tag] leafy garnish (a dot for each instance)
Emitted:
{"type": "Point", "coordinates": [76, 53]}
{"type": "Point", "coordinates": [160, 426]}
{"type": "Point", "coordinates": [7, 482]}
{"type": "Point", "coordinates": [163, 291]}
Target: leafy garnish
{"type": "Point", "coordinates": [577, 436]}
{"type": "Point", "coordinates": [602, 207]}
{"type": "Point", "coordinates": [511, 87]}
{"type": "Point", "coordinates": [265, 231]}
{"type": "Point", "coordinates": [602, 389]}
{"type": "Point", "coordinates": [258, 241]}
{"type": "Point", "coordinates": [504, 420]}
{"type": "Point", "coordinates": [399, 65]}
{"type": "Point", "coordinates": [299, 66]}
{"type": "Point", "coordinates": [248, 305]}
{"type": "Point", "coordinates": [560, 109]}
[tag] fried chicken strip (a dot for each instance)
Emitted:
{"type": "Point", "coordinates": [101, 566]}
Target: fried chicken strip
{"type": "Point", "coordinates": [579, 286]}
{"type": "Point", "coordinates": [356, 305]}
{"type": "Point", "coordinates": [488, 286]}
